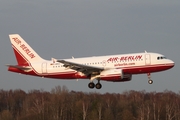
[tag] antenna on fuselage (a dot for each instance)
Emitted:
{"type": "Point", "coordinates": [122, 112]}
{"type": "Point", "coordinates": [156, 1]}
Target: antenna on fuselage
{"type": "Point", "coordinates": [145, 51]}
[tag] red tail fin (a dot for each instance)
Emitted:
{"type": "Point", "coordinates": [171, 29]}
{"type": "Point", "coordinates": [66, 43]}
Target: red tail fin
{"type": "Point", "coordinates": [19, 58]}
{"type": "Point", "coordinates": [23, 52]}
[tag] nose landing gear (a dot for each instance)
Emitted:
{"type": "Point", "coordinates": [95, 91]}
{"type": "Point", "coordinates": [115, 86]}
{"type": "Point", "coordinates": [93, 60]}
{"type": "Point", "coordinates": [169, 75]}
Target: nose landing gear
{"type": "Point", "coordinates": [149, 78]}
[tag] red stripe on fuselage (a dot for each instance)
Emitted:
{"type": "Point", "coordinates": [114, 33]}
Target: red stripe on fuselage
{"type": "Point", "coordinates": [73, 75]}
{"type": "Point", "coordinates": [147, 68]}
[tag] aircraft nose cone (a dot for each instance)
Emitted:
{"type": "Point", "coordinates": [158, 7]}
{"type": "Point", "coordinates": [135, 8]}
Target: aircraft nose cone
{"type": "Point", "coordinates": [172, 63]}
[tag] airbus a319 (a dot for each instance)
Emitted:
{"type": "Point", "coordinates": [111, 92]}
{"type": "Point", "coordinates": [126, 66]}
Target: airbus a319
{"type": "Point", "coordinates": [112, 68]}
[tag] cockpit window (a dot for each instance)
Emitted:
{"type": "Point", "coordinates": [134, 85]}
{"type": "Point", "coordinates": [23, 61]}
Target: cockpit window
{"type": "Point", "coordinates": [161, 57]}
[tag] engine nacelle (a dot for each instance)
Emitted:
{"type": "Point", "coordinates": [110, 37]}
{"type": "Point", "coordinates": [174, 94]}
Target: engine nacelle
{"type": "Point", "coordinates": [115, 75]}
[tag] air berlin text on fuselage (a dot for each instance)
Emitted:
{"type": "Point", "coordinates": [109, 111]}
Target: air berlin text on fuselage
{"type": "Point", "coordinates": [125, 58]}
{"type": "Point", "coordinates": [24, 48]}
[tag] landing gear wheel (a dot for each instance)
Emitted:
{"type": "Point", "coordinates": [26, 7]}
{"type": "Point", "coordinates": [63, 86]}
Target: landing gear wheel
{"type": "Point", "coordinates": [150, 81]}
{"type": "Point", "coordinates": [91, 85]}
{"type": "Point", "coordinates": [98, 86]}
{"type": "Point", "coordinates": [149, 77]}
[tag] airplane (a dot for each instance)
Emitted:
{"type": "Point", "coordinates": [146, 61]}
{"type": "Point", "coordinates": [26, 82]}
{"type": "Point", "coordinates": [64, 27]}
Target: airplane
{"type": "Point", "coordinates": [112, 68]}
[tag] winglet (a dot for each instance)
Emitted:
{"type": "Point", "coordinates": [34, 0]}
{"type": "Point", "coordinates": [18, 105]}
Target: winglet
{"type": "Point", "coordinates": [54, 60]}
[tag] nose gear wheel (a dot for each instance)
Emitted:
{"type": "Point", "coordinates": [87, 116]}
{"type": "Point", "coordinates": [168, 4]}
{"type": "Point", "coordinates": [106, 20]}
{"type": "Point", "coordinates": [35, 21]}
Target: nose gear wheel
{"type": "Point", "coordinates": [149, 78]}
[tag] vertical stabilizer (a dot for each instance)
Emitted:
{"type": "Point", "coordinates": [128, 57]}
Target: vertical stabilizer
{"type": "Point", "coordinates": [23, 52]}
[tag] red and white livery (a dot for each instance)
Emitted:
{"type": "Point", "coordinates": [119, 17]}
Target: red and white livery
{"type": "Point", "coordinates": [113, 68]}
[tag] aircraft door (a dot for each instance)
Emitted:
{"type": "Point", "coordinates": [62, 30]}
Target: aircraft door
{"type": "Point", "coordinates": [147, 59]}
{"type": "Point", "coordinates": [44, 67]}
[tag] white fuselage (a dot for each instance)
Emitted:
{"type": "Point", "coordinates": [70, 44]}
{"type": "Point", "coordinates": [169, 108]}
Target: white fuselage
{"type": "Point", "coordinates": [136, 63]}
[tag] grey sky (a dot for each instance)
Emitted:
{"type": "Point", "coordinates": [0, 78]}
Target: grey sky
{"type": "Point", "coordinates": [80, 28]}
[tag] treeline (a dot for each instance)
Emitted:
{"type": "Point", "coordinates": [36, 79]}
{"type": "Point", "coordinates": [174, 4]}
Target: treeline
{"type": "Point", "coordinates": [62, 104]}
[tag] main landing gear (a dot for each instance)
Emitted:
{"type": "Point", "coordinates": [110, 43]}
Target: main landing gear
{"type": "Point", "coordinates": [92, 85]}
{"type": "Point", "coordinates": [149, 78]}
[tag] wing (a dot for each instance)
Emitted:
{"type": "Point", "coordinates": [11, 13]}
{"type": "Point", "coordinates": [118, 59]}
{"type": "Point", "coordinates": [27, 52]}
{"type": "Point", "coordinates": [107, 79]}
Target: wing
{"type": "Point", "coordinates": [87, 70]}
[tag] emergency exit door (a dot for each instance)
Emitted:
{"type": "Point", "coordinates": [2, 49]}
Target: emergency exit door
{"type": "Point", "coordinates": [147, 59]}
{"type": "Point", "coordinates": [44, 67]}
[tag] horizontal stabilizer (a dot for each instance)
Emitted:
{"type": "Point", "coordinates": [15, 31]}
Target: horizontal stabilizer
{"type": "Point", "coordinates": [24, 68]}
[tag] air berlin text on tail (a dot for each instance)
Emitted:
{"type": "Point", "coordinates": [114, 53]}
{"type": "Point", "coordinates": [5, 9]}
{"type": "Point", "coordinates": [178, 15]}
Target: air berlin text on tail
{"type": "Point", "coordinates": [24, 48]}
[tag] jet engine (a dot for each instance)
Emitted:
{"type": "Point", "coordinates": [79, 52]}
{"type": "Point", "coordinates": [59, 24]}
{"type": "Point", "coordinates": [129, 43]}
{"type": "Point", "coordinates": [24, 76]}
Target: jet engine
{"type": "Point", "coordinates": [115, 75]}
